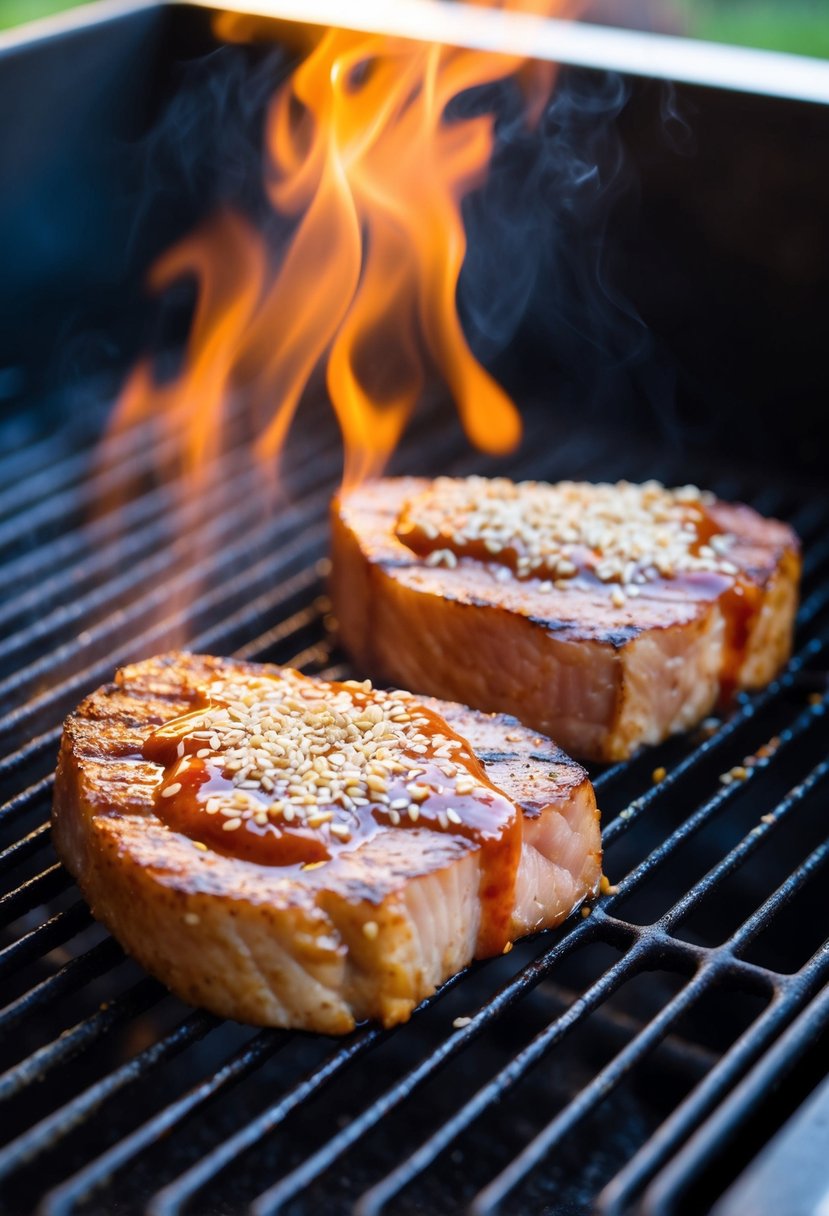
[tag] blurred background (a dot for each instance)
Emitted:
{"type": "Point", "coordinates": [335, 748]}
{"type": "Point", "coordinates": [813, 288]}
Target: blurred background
{"type": "Point", "coordinates": [800, 26]}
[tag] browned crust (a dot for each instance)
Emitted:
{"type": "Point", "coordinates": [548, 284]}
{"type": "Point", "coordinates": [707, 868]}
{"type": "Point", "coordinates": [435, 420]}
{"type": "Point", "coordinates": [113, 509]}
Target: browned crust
{"type": "Point", "coordinates": [242, 939]}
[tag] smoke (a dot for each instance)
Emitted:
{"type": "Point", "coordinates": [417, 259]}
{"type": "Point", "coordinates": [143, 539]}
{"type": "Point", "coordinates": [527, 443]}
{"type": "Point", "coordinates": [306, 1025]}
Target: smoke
{"type": "Point", "coordinates": [537, 230]}
{"type": "Point", "coordinates": [540, 264]}
{"type": "Point", "coordinates": [205, 150]}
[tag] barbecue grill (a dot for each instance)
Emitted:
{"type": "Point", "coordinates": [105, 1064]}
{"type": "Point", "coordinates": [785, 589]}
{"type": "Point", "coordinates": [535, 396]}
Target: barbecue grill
{"type": "Point", "coordinates": [641, 1059]}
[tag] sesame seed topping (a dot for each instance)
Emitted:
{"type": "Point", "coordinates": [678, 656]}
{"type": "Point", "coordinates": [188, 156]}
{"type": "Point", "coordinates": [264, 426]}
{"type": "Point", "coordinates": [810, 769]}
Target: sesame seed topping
{"type": "Point", "coordinates": [371, 929]}
{"type": "Point", "coordinates": [191, 918]}
{"type": "Point", "coordinates": [299, 751]}
{"type": "Point", "coordinates": [624, 534]}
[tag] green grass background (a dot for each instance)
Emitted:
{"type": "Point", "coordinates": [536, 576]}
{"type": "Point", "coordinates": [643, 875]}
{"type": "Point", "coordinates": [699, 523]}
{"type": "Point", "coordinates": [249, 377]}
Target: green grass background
{"type": "Point", "coordinates": [14, 12]}
{"type": "Point", "coordinates": [801, 26]}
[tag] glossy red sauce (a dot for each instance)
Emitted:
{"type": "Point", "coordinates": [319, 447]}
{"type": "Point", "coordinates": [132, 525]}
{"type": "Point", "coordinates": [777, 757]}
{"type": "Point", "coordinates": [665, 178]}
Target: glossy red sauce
{"type": "Point", "coordinates": [740, 605]}
{"type": "Point", "coordinates": [489, 820]}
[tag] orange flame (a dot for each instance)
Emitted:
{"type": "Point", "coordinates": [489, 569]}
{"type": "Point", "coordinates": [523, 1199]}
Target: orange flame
{"type": "Point", "coordinates": [361, 155]}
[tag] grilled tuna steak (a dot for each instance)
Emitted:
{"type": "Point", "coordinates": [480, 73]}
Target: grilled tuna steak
{"type": "Point", "coordinates": [605, 616]}
{"type": "Point", "coordinates": [294, 853]}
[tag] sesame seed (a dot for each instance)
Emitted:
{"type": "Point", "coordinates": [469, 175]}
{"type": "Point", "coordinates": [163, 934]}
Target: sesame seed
{"type": "Point", "coordinates": [371, 929]}
{"type": "Point", "coordinates": [231, 825]}
{"type": "Point", "coordinates": [659, 774]}
{"type": "Point", "coordinates": [460, 1023]}
{"type": "Point", "coordinates": [191, 918]}
{"type": "Point", "coordinates": [316, 821]}
{"type": "Point", "coordinates": [171, 790]}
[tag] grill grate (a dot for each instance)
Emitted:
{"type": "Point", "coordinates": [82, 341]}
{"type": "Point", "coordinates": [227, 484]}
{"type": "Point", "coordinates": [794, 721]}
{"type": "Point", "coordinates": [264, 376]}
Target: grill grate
{"type": "Point", "coordinates": [591, 1056]}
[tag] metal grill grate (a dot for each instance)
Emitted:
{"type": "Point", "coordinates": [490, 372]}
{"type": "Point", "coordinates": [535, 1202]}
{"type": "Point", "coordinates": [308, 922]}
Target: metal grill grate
{"type": "Point", "coordinates": [589, 1056]}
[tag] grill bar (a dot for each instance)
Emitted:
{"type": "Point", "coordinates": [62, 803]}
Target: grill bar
{"type": "Point", "coordinates": [24, 848]}
{"type": "Point", "coordinates": [790, 996]}
{"type": "Point", "coordinates": [53, 932]}
{"type": "Point", "coordinates": [69, 978]}
{"type": "Point", "coordinates": [49, 1131]}
{"type": "Point", "coordinates": [17, 807]}
{"type": "Point", "coordinates": [615, 1200]}
{"type": "Point", "coordinates": [735, 858]}
{"type": "Point", "coordinates": [227, 484]}
{"type": "Point", "coordinates": [74, 502]}
{"type": "Point", "coordinates": [154, 603]}
{"type": "Point", "coordinates": [33, 892]}
{"type": "Point", "coordinates": [276, 1197]}
{"type": "Point", "coordinates": [748, 1096]}
{"type": "Point", "coordinates": [699, 818]}
{"type": "Point", "coordinates": [711, 1088]}
{"type": "Point", "coordinates": [61, 1201]}
{"type": "Point", "coordinates": [276, 609]}
{"type": "Point", "coordinates": [170, 1200]}
{"type": "Point", "coordinates": [25, 456]}
{"type": "Point", "coordinates": [37, 1066]}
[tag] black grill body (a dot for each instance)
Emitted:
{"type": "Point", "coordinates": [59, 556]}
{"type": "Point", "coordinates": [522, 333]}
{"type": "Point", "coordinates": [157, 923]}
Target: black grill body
{"type": "Point", "coordinates": [637, 1060]}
